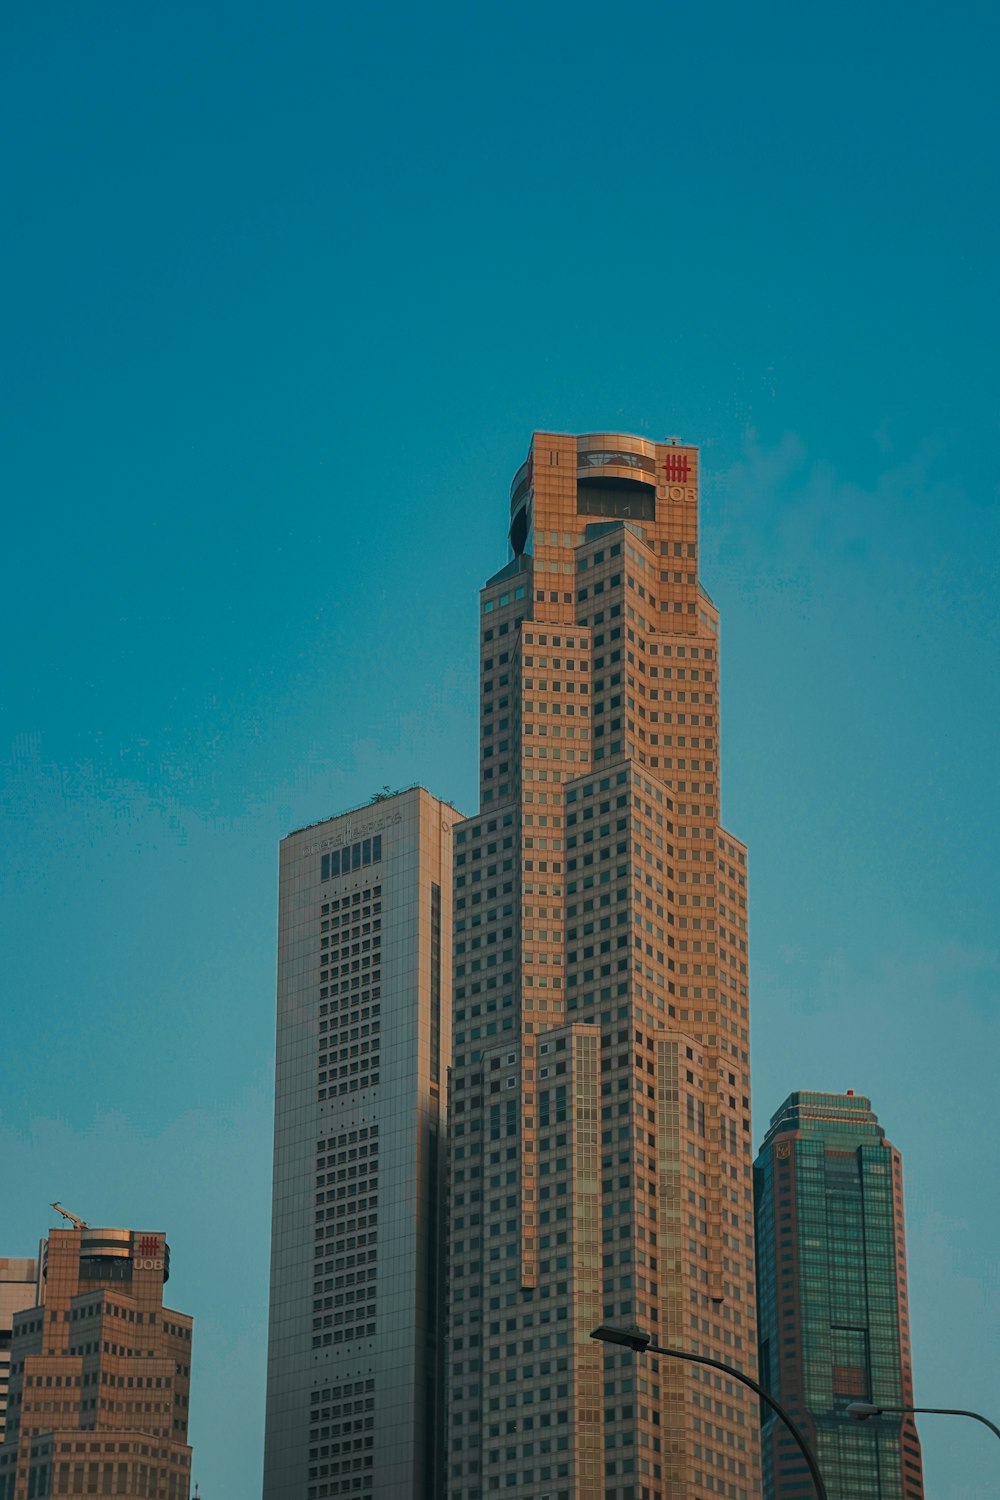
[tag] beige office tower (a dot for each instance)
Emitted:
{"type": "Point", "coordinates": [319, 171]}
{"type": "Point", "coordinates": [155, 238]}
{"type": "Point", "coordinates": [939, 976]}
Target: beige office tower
{"type": "Point", "coordinates": [18, 1289]}
{"type": "Point", "coordinates": [600, 1112]}
{"type": "Point", "coordinates": [100, 1373]}
{"type": "Point", "coordinates": [355, 1380]}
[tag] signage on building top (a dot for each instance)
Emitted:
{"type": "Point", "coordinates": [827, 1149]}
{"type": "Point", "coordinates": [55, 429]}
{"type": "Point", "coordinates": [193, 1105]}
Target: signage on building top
{"type": "Point", "coordinates": [147, 1253]}
{"type": "Point", "coordinates": [354, 831]}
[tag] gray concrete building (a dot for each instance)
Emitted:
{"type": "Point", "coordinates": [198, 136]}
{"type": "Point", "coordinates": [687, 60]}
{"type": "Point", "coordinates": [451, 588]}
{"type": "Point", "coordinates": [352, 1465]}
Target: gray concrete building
{"type": "Point", "coordinates": [354, 1382]}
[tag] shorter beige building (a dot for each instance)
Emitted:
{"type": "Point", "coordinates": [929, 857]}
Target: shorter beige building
{"type": "Point", "coordinates": [100, 1373]}
{"type": "Point", "coordinates": [18, 1289]}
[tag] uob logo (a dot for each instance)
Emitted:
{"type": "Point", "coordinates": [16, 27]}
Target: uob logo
{"type": "Point", "coordinates": [149, 1253]}
{"type": "Point", "coordinates": [677, 468]}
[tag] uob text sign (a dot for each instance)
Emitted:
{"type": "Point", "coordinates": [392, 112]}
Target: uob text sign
{"type": "Point", "coordinates": [147, 1253]}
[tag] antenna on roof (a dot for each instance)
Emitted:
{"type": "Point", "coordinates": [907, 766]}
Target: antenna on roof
{"type": "Point", "coordinates": [76, 1223]}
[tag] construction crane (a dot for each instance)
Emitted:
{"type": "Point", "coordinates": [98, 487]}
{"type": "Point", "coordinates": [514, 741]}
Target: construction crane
{"type": "Point", "coordinates": [76, 1223]}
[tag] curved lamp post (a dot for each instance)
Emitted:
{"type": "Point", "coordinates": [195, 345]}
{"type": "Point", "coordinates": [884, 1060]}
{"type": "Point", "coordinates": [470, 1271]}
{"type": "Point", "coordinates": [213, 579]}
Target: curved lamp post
{"type": "Point", "coordinates": [642, 1343]}
{"type": "Point", "coordinates": [862, 1410]}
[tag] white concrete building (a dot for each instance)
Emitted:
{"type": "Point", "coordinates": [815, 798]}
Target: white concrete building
{"type": "Point", "coordinates": [363, 1043]}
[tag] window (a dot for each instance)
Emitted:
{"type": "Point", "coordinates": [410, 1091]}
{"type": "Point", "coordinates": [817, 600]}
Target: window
{"type": "Point", "coordinates": [351, 857]}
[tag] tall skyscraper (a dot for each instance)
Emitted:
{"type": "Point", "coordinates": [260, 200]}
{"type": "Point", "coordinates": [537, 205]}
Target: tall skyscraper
{"type": "Point", "coordinates": [18, 1289]}
{"type": "Point", "coordinates": [354, 1383]}
{"type": "Point", "coordinates": [834, 1325]}
{"type": "Point", "coordinates": [100, 1373]}
{"type": "Point", "coordinates": [600, 1111]}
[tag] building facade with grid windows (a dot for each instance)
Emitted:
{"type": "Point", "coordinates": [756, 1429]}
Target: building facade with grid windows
{"type": "Point", "coordinates": [100, 1374]}
{"type": "Point", "coordinates": [599, 1118]}
{"type": "Point", "coordinates": [834, 1318]}
{"type": "Point", "coordinates": [18, 1289]}
{"type": "Point", "coordinates": [354, 1399]}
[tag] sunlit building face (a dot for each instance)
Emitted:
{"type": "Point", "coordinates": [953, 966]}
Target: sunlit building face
{"type": "Point", "coordinates": [600, 1155]}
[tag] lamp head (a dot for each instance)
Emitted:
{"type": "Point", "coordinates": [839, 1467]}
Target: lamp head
{"type": "Point", "coordinates": [632, 1338]}
{"type": "Point", "coordinates": [862, 1410]}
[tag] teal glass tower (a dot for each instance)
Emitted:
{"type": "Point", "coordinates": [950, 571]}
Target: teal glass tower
{"type": "Point", "coordinates": [832, 1304]}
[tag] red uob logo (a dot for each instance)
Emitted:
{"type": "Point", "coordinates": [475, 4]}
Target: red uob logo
{"type": "Point", "coordinates": [677, 468]}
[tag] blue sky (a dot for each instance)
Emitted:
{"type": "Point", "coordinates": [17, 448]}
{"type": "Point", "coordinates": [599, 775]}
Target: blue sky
{"type": "Point", "coordinates": [285, 292]}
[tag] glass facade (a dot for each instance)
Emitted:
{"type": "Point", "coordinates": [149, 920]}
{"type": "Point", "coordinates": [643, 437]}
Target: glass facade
{"type": "Point", "coordinates": [832, 1310]}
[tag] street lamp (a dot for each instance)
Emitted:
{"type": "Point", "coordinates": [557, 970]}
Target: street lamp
{"type": "Point", "coordinates": [862, 1410]}
{"type": "Point", "coordinates": [642, 1343]}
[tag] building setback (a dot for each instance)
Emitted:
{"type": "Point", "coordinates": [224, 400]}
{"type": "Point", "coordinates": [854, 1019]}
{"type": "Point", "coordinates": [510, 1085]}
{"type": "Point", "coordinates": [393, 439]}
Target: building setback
{"type": "Point", "coordinates": [834, 1324]}
{"type": "Point", "coordinates": [599, 1121]}
{"type": "Point", "coordinates": [354, 1385]}
{"type": "Point", "coordinates": [100, 1374]}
